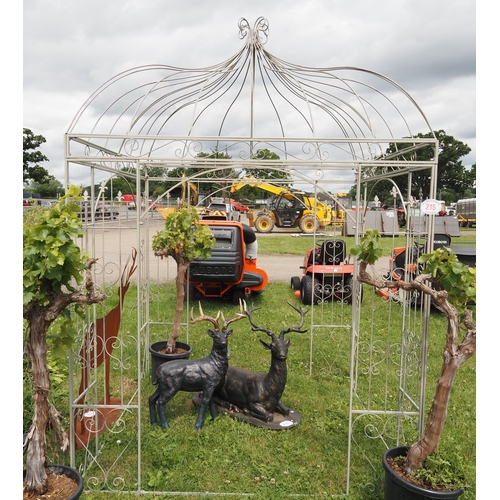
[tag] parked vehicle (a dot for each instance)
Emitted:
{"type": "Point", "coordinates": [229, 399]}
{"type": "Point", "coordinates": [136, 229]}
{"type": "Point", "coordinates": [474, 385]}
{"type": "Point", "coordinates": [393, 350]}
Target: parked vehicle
{"type": "Point", "coordinates": [30, 202]}
{"type": "Point", "coordinates": [153, 206]}
{"type": "Point", "coordinates": [403, 263]}
{"type": "Point", "coordinates": [289, 209]}
{"type": "Point", "coordinates": [231, 271]}
{"type": "Point", "coordinates": [240, 207]}
{"type": "Point", "coordinates": [102, 211]}
{"type": "Point", "coordinates": [220, 211]}
{"type": "Point", "coordinates": [129, 200]}
{"type": "Point", "coordinates": [327, 274]}
{"type": "Point", "coordinates": [466, 212]}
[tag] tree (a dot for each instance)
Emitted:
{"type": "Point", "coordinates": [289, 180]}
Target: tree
{"type": "Point", "coordinates": [53, 269]}
{"type": "Point", "coordinates": [211, 181]}
{"type": "Point", "coordinates": [159, 172]}
{"type": "Point", "coordinates": [51, 188]}
{"type": "Point", "coordinates": [220, 176]}
{"type": "Point", "coordinates": [177, 172]}
{"type": "Point", "coordinates": [454, 178]}
{"type": "Point", "coordinates": [268, 173]}
{"type": "Point", "coordinates": [31, 157]}
{"type": "Point", "coordinates": [126, 185]}
{"type": "Point", "coordinates": [183, 239]}
{"type": "Point", "coordinates": [453, 291]}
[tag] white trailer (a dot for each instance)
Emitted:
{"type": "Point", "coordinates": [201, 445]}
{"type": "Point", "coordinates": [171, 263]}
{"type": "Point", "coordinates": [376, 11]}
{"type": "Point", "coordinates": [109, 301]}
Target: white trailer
{"type": "Point", "coordinates": [466, 212]}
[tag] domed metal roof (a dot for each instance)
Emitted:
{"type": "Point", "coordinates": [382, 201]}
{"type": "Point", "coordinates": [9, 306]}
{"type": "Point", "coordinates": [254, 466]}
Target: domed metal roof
{"type": "Point", "coordinates": [252, 100]}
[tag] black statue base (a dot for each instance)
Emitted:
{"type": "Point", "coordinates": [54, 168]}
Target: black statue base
{"type": "Point", "coordinates": [279, 422]}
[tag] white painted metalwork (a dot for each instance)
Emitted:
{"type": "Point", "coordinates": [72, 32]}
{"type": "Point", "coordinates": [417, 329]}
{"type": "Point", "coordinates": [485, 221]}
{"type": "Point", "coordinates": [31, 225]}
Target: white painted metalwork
{"type": "Point", "coordinates": [331, 128]}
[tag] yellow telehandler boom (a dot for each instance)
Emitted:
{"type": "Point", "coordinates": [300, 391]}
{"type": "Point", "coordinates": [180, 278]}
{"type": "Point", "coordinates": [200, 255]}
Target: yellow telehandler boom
{"type": "Point", "coordinates": [289, 208]}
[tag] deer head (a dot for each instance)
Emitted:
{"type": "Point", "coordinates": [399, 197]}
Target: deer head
{"type": "Point", "coordinates": [279, 346]}
{"type": "Point", "coordinates": [215, 321]}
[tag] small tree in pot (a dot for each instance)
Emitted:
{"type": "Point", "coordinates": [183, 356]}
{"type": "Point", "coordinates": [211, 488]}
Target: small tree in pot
{"type": "Point", "coordinates": [183, 239]}
{"type": "Point", "coordinates": [454, 289]}
{"type": "Point", "coordinates": [53, 269]}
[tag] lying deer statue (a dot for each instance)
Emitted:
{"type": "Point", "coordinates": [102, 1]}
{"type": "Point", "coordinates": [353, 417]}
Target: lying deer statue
{"type": "Point", "coordinates": [192, 375]}
{"type": "Point", "coordinates": [259, 394]}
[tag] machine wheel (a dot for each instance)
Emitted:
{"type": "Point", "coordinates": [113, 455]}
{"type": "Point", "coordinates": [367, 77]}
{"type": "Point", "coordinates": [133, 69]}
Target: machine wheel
{"type": "Point", "coordinates": [295, 282]}
{"type": "Point", "coordinates": [238, 294]}
{"type": "Point", "coordinates": [307, 289]}
{"type": "Point", "coordinates": [309, 224]}
{"type": "Point", "coordinates": [264, 224]}
{"type": "Point", "coordinates": [348, 283]}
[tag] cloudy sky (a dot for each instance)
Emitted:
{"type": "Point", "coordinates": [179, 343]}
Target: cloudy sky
{"type": "Point", "coordinates": [72, 47]}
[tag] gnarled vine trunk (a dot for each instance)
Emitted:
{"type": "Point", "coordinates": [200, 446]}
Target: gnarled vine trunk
{"type": "Point", "coordinates": [454, 356]}
{"type": "Point", "coordinates": [39, 319]}
{"type": "Point", "coordinates": [36, 477]}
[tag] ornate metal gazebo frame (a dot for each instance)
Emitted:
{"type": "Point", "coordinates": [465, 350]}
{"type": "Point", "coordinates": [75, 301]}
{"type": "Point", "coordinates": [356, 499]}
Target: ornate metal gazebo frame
{"type": "Point", "coordinates": [331, 127]}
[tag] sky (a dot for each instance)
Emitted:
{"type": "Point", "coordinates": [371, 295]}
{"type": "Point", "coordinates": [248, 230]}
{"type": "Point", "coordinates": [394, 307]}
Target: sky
{"type": "Point", "coordinates": [70, 48]}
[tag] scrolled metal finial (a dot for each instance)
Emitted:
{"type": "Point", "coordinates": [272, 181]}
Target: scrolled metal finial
{"type": "Point", "coordinates": [244, 28]}
{"type": "Point", "coordinates": [259, 32]}
{"type": "Point", "coordinates": [261, 26]}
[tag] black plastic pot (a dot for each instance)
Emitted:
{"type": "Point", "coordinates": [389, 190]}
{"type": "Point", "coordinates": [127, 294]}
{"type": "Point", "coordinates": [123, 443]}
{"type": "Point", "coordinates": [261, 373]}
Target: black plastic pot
{"type": "Point", "coordinates": [397, 488]}
{"type": "Point", "coordinates": [69, 472]}
{"type": "Point", "coordinates": [158, 358]}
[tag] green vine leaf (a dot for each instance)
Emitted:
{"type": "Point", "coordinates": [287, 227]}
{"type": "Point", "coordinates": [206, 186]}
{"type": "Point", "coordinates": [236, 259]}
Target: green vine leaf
{"type": "Point", "coordinates": [369, 248]}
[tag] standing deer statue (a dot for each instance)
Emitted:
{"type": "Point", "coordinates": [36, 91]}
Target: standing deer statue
{"type": "Point", "coordinates": [192, 375]}
{"type": "Point", "coordinates": [259, 394]}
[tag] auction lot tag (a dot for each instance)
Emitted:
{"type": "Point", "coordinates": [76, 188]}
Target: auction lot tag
{"type": "Point", "coordinates": [430, 207]}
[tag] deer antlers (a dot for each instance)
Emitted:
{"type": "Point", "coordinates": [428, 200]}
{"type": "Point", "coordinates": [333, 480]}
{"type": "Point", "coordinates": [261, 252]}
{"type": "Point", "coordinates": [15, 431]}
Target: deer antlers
{"type": "Point", "coordinates": [215, 321]}
{"type": "Point", "coordinates": [125, 278]}
{"type": "Point", "coordinates": [297, 328]}
{"type": "Point", "coordinates": [244, 312]}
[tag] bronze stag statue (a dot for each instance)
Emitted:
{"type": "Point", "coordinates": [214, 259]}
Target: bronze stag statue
{"type": "Point", "coordinates": [192, 375]}
{"type": "Point", "coordinates": [258, 394]}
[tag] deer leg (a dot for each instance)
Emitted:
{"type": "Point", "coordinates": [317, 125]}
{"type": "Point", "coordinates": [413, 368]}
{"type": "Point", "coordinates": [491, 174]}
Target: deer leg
{"type": "Point", "coordinates": [213, 408]}
{"type": "Point", "coordinates": [206, 400]}
{"type": "Point", "coordinates": [282, 409]}
{"type": "Point", "coordinates": [162, 415]}
{"type": "Point", "coordinates": [201, 416]}
{"type": "Point", "coordinates": [161, 402]}
{"type": "Point", "coordinates": [152, 406]}
{"type": "Point", "coordinates": [258, 411]}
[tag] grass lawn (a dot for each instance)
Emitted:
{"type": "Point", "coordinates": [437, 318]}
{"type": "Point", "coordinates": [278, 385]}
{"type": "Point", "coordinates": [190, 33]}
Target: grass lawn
{"type": "Point", "coordinates": [231, 457]}
{"type": "Point", "coordinates": [298, 245]}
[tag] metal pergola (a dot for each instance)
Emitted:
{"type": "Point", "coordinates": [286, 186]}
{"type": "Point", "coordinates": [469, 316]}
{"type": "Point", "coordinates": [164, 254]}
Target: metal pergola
{"type": "Point", "coordinates": [331, 128]}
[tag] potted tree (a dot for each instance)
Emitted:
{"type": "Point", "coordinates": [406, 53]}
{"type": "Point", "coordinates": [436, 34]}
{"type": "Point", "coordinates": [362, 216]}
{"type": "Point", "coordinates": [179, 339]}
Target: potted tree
{"type": "Point", "coordinates": [53, 272]}
{"type": "Point", "coordinates": [183, 239]}
{"type": "Point", "coordinates": [453, 291]}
